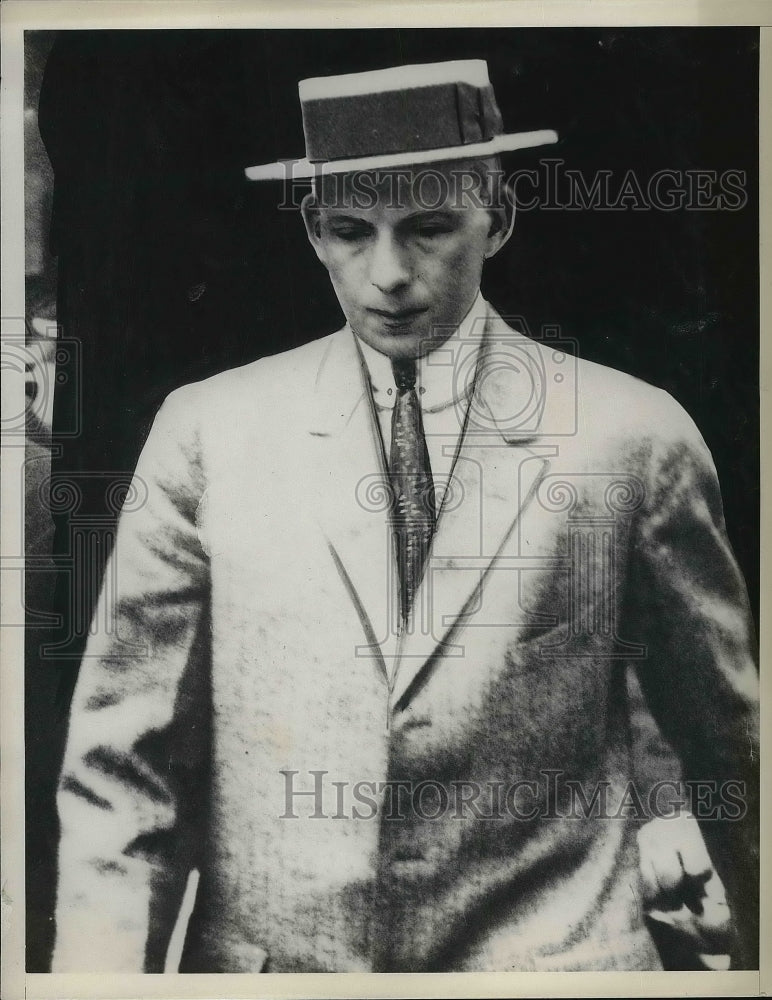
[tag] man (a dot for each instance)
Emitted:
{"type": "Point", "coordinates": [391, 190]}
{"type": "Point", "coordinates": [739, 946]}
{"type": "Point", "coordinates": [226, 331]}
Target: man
{"type": "Point", "coordinates": [374, 600]}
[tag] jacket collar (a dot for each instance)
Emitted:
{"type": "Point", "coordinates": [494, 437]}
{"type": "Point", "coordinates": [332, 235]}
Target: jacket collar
{"type": "Point", "coordinates": [507, 368]}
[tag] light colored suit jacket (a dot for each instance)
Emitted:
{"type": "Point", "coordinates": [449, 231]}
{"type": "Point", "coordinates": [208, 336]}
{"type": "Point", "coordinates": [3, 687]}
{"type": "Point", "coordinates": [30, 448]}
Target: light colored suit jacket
{"type": "Point", "coordinates": [245, 652]}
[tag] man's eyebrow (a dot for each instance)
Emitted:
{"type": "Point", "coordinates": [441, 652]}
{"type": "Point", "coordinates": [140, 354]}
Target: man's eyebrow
{"type": "Point", "coordinates": [444, 214]}
{"type": "Point", "coordinates": [334, 215]}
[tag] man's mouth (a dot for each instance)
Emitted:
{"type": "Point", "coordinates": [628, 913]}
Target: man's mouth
{"type": "Point", "coordinates": [398, 317]}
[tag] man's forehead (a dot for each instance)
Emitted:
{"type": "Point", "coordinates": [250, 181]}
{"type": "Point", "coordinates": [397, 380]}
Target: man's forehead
{"type": "Point", "coordinates": [423, 188]}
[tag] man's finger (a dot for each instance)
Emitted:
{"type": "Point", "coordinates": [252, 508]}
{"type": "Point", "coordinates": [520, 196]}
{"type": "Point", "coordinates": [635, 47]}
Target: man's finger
{"type": "Point", "coordinates": [715, 922]}
{"type": "Point", "coordinates": [658, 853]}
{"type": "Point", "coordinates": [709, 932]}
{"type": "Point", "coordinates": [691, 848]}
{"type": "Point", "coordinates": [716, 963]}
{"type": "Point", "coordinates": [714, 890]}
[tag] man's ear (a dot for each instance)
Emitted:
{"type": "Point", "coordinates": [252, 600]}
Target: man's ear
{"type": "Point", "coordinates": [309, 209]}
{"type": "Point", "coordinates": [502, 222]}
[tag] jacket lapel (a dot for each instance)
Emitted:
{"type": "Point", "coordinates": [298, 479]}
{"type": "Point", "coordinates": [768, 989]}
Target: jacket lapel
{"type": "Point", "coordinates": [350, 495]}
{"type": "Point", "coordinates": [497, 484]}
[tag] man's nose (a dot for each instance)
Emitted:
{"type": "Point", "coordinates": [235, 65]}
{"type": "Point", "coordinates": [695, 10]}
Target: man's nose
{"type": "Point", "coordinates": [389, 268]}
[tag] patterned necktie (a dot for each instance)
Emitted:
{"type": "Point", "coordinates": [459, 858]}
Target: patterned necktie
{"type": "Point", "coordinates": [413, 512]}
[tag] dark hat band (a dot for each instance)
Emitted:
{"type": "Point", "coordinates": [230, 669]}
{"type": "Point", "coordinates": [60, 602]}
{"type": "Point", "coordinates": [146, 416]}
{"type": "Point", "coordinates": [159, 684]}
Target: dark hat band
{"type": "Point", "coordinates": [399, 121]}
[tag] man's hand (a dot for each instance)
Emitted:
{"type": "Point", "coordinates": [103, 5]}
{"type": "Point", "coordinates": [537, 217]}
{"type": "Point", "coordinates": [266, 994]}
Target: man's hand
{"type": "Point", "coordinates": [682, 891]}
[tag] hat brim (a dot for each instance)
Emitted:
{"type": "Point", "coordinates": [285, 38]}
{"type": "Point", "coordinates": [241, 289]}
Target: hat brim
{"type": "Point", "coordinates": [303, 169]}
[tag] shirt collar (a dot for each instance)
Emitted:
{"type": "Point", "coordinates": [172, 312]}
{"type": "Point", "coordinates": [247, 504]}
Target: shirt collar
{"type": "Point", "coordinates": [437, 381]}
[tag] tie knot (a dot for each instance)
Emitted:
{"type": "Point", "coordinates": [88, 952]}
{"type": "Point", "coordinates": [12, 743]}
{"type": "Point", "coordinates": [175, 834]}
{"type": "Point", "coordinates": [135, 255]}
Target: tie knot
{"type": "Point", "coordinates": [404, 373]}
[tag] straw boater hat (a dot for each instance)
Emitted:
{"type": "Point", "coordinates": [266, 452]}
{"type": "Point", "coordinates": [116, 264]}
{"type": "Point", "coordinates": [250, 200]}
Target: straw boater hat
{"type": "Point", "coordinates": [398, 117]}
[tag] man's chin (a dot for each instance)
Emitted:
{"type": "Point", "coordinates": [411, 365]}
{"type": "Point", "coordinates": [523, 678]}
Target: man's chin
{"type": "Point", "coordinates": [401, 343]}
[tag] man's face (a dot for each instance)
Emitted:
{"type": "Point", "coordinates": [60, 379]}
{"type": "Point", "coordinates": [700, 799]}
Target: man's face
{"type": "Point", "coordinates": [404, 253]}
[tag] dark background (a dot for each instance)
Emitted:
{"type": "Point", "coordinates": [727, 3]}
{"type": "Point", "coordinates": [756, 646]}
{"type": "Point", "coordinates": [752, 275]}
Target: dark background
{"type": "Point", "coordinates": [172, 266]}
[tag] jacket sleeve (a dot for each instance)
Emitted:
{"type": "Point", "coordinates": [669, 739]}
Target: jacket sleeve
{"type": "Point", "coordinates": [687, 604]}
{"type": "Point", "coordinates": [132, 787]}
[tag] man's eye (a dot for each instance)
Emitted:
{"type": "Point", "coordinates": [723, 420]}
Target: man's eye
{"type": "Point", "coordinates": [432, 228]}
{"type": "Point", "coordinates": [349, 233]}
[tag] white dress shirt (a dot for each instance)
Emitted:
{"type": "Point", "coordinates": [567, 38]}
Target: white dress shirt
{"type": "Point", "coordinates": [444, 381]}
